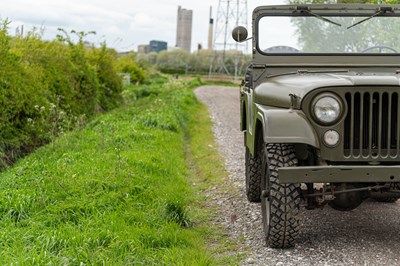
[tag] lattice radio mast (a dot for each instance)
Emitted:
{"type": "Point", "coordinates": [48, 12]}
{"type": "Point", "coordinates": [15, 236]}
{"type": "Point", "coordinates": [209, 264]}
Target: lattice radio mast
{"type": "Point", "coordinates": [230, 14]}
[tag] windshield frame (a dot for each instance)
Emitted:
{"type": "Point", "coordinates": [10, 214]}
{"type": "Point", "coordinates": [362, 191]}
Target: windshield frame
{"type": "Point", "coordinates": [299, 11]}
{"type": "Point", "coordinates": [310, 60]}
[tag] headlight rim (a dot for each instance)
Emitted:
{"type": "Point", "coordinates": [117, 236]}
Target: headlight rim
{"type": "Point", "coordinates": [335, 97]}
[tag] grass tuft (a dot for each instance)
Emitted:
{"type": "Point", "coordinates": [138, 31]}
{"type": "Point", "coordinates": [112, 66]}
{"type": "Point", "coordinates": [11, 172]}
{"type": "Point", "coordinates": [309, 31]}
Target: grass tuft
{"type": "Point", "coordinates": [175, 212]}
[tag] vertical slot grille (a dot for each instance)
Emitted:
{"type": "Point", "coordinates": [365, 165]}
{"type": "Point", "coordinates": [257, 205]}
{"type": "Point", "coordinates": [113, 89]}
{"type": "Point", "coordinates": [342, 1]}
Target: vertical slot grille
{"type": "Point", "coordinates": [371, 128]}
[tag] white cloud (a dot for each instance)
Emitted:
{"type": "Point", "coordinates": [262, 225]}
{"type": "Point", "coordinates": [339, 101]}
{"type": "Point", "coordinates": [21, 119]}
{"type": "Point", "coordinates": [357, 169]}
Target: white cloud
{"type": "Point", "coordinates": [122, 23]}
{"type": "Point", "coordinates": [141, 20]}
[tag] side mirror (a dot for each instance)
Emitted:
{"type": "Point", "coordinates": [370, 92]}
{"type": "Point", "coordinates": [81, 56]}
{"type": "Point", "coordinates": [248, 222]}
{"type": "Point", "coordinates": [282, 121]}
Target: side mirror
{"type": "Point", "coordinates": [239, 34]}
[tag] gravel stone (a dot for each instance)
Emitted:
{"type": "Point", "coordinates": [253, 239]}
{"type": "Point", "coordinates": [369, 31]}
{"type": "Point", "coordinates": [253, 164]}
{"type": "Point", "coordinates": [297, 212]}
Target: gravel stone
{"type": "Point", "coordinates": [368, 235]}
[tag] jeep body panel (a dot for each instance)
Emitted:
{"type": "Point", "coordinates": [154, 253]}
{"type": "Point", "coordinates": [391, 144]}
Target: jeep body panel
{"type": "Point", "coordinates": [282, 126]}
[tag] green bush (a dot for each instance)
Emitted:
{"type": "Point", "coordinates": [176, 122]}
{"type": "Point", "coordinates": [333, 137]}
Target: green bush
{"type": "Point", "coordinates": [49, 87]}
{"type": "Point", "coordinates": [85, 83]}
{"type": "Point", "coordinates": [105, 62]}
{"type": "Point", "coordinates": [19, 93]}
{"type": "Point", "coordinates": [127, 64]}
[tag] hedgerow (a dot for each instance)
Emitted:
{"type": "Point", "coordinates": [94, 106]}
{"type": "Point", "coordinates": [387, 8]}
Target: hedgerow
{"type": "Point", "coordinates": [49, 87]}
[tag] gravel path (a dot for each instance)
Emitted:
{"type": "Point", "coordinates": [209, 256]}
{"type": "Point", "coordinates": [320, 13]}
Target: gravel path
{"type": "Point", "coordinates": [369, 235]}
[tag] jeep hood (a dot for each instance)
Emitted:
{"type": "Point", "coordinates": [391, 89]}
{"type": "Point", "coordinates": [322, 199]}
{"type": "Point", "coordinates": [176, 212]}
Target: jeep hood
{"type": "Point", "coordinates": [276, 90]}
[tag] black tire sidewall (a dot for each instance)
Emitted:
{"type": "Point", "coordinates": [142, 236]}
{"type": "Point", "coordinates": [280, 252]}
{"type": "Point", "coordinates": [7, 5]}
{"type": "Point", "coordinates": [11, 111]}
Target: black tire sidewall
{"type": "Point", "coordinates": [281, 208]}
{"type": "Point", "coordinates": [265, 201]}
{"type": "Point", "coordinates": [253, 175]}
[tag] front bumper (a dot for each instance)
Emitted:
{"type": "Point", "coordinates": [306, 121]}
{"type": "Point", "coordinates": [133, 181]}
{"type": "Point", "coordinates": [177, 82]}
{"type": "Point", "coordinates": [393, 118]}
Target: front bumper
{"type": "Point", "coordinates": [339, 174]}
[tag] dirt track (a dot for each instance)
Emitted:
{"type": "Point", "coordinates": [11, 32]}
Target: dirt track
{"type": "Point", "coordinates": [369, 235]}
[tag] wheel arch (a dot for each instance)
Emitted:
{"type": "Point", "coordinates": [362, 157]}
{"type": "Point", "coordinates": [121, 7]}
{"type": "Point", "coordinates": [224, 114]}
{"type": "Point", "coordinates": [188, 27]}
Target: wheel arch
{"type": "Point", "coordinates": [259, 137]}
{"type": "Point", "coordinates": [283, 126]}
{"type": "Point", "coordinates": [243, 120]}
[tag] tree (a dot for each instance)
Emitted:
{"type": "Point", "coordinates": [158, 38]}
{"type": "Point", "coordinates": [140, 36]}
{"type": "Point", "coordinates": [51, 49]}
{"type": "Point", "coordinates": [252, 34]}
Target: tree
{"type": "Point", "coordinates": [315, 35]}
{"type": "Point", "coordinates": [173, 61]}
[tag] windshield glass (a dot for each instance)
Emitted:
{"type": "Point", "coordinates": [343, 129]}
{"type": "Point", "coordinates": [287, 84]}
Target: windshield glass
{"type": "Point", "coordinates": [335, 35]}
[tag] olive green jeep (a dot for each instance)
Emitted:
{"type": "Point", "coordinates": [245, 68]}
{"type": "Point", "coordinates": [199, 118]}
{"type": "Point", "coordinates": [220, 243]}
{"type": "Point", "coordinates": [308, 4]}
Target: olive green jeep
{"type": "Point", "coordinates": [320, 110]}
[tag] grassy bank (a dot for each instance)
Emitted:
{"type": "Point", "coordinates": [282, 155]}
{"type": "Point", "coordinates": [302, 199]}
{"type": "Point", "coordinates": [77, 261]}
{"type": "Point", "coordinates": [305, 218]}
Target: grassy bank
{"type": "Point", "coordinates": [208, 173]}
{"type": "Point", "coordinates": [114, 193]}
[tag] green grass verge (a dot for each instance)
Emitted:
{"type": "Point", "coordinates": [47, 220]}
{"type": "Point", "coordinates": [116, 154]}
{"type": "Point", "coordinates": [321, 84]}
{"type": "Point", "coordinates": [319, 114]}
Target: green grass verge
{"type": "Point", "coordinates": [122, 191]}
{"type": "Point", "coordinates": [207, 172]}
{"type": "Point", "coordinates": [114, 193]}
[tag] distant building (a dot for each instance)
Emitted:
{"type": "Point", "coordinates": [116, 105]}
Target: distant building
{"type": "Point", "coordinates": [157, 46]}
{"type": "Point", "coordinates": [173, 48]}
{"type": "Point", "coordinates": [143, 49]}
{"type": "Point", "coordinates": [184, 28]}
{"type": "Point", "coordinates": [210, 31]}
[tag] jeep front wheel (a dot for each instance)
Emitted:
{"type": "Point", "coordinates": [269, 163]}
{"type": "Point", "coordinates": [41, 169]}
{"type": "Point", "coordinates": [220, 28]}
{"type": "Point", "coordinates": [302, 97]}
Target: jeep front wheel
{"type": "Point", "coordinates": [385, 197]}
{"type": "Point", "coordinates": [253, 177]}
{"type": "Point", "coordinates": [280, 203]}
{"type": "Point", "coordinates": [386, 200]}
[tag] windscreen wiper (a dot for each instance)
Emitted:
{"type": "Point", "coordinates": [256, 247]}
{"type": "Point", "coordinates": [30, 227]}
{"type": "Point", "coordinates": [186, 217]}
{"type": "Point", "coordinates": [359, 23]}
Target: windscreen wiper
{"type": "Point", "coordinates": [307, 10]}
{"type": "Point", "coordinates": [380, 11]}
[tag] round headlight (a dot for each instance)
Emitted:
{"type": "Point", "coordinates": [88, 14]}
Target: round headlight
{"type": "Point", "coordinates": [327, 109]}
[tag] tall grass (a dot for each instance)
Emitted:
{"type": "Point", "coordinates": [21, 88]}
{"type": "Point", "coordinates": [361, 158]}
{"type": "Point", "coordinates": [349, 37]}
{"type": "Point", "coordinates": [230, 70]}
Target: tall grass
{"type": "Point", "coordinates": [113, 193]}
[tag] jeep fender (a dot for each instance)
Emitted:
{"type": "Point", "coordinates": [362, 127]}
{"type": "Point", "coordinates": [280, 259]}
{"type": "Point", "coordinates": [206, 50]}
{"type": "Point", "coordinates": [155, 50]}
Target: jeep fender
{"type": "Point", "coordinates": [284, 126]}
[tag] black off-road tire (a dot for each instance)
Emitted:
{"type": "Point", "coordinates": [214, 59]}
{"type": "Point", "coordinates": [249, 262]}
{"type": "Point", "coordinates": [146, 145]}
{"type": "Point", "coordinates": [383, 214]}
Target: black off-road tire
{"type": "Point", "coordinates": [280, 203]}
{"type": "Point", "coordinates": [386, 200]}
{"type": "Point", "coordinates": [253, 177]}
{"type": "Point", "coordinates": [385, 197]}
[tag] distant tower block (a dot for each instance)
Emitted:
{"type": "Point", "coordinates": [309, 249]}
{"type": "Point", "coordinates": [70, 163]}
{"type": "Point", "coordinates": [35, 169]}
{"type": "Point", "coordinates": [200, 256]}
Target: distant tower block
{"type": "Point", "coordinates": [184, 29]}
{"type": "Point", "coordinates": [210, 31]}
{"type": "Point", "coordinates": [230, 14]}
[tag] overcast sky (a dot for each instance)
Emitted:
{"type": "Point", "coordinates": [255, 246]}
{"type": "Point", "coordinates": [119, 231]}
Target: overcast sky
{"type": "Point", "coordinates": [122, 24]}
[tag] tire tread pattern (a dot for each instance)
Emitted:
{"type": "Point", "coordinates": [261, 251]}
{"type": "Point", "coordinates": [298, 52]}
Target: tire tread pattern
{"type": "Point", "coordinates": [284, 198]}
{"type": "Point", "coordinates": [386, 200]}
{"type": "Point", "coordinates": [253, 177]}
